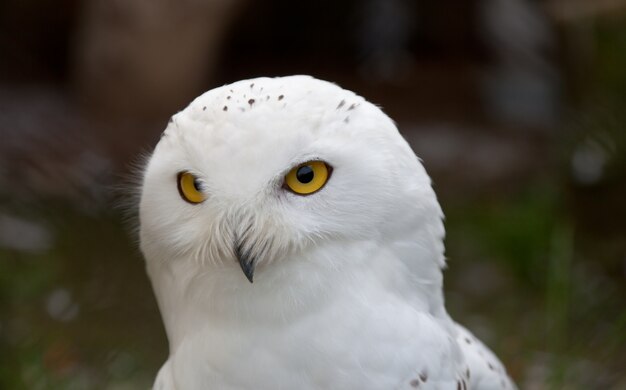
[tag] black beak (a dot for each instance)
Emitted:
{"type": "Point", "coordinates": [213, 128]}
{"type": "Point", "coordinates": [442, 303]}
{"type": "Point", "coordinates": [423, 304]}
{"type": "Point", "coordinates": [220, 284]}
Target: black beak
{"type": "Point", "coordinates": [246, 260]}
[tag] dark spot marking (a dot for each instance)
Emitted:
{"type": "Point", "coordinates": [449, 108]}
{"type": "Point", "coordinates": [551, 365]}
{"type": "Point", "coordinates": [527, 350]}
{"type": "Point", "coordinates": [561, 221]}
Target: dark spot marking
{"type": "Point", "coordinates": [423, 376]}
{"type": "Point", "coordinates": [467, 340]}
{"type": "Point", "coordinates": [351, 106]}
{"type": "Point", "coordinates": [414, 383]}
{"type": "Point", "coordinates": [267, 97]}
{"type": "Point", "coordinates": [490, 366]}
{"type": "Point", "coordinates": [341, 103]}
{"type": "Point", "coordinates": [251, 85]}
{"type": "Point", "coordinates": [261, 90]}
{"type": "Point", "coordinates": [346, 119]}
{"type": "Point", "coordinates": [225, 108]}
{"type": "Point", "coordinates": [281, 97]}
{"type": "Point", "coordinates": [251, 102]}
{"type": "Point", "coordinates": [228, 97]}
{"type": "Point", "coordinates": [242, 109]}
{"type": "Point", "coordinates": [204, 108]}
{"type": "Point", "coordinates": [231, 91]}
{"type": "Point", "coordinates": [467, 373]}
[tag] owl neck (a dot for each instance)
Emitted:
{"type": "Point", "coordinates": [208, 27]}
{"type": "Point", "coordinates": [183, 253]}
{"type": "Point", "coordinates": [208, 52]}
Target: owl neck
{"type": "Point", "coordinates": [193, 296]}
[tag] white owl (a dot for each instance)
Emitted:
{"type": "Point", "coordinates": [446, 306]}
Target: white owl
{"type": "Point", "coordinates": [310, 191]}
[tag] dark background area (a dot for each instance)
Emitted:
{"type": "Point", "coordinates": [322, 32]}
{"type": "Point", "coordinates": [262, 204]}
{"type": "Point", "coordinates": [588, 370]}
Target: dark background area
{"type": "Point", "coordinates": [516, 108]}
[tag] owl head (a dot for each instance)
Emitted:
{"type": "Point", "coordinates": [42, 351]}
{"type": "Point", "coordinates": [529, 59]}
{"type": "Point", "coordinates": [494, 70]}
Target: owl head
{"type": "Point", "coordinates": [269, 171]}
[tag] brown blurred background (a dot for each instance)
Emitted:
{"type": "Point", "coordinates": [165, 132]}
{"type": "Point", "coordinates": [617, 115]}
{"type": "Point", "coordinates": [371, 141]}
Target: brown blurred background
{"type": "Point", "coordinates": [517, 108]}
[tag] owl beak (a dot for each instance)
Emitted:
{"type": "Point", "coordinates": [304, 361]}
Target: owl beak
{"type": "Point", "coordinates": [247, 261]}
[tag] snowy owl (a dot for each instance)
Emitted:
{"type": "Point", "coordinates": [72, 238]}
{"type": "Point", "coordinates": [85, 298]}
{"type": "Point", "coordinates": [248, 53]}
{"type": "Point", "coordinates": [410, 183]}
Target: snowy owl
{"type": "Point", "coordinates": [294, 241]}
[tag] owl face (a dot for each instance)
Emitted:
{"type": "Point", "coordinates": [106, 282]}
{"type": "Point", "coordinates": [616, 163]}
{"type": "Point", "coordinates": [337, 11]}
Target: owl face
{"type": "Point", "coordinates": [256, 172]}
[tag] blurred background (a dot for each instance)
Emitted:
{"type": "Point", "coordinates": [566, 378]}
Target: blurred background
{"type": "Point", "coordinates": [517, 108]}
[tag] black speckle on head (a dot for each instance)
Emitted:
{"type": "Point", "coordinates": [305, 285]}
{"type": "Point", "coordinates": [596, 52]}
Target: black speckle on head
{"type": "Point", "coordinates": [281, 97]}
{"type": "Point", "coordinates": [414, 383]}
{"type": "Point", "coordinates": [204, 108]}
{"type": "Point", "coordinates": [251, 102]}
{"type": "Point", "coordinates": [225, 108]}
{"type": "Point", "coordinates": [352, 106]}
{"type": "Point", "coordinates": [467, 340]}
{"type": "Point", "coordinates": [423, 376]}
{"type": "Point", "coordinates": [261, 90]}
{"type": "Point", "coordinates": [231, 91]}
{"type": "Point", "coordinates": [346, 119]}
{"type": "Point", "coordinates": [490, 366]}
{"type": "Point", "coordinates": [341, 103]}
{"type": "Point", "coordinates": [227, 97]}
{"type": "Point", "coordinates": [267, 97]}
{"type": "Point", "coordinates": [251, 85]}
{"type": "Point", "coordinates": [242, 109]}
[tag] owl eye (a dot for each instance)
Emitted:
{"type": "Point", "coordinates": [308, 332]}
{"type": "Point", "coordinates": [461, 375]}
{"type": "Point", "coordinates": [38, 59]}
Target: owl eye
{"type": "Point", "coordinates": [308, 177]}
{"type": "Point", "coordinates": [189, 188]}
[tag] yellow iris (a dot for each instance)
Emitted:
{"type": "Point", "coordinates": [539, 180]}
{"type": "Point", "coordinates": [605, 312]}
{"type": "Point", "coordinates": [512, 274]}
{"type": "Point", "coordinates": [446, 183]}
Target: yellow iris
{"type": "Point", "coordinates": [189, 188]}
{"type": "Point", "coordinates": [308, 177]}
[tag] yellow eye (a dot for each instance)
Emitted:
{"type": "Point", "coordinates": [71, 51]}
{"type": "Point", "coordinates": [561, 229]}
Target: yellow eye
{"type": "Point", "coordinates": [189, 188]}
{"type": "Point", "coordinates": [308, 178]}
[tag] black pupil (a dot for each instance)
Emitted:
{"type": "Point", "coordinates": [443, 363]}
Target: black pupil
{"type": "Point", "coordinates": [305, 174]}
{"type": "Point", "coordinates": [196, 185]}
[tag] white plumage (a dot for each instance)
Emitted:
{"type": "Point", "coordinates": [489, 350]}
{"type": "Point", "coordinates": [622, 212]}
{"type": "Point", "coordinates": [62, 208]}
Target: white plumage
{"type": "Point", "coordinates": [347, 290]}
